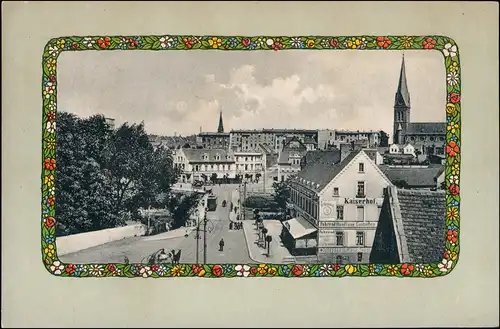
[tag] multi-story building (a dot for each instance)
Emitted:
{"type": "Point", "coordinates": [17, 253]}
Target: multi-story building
{"type": "Point", "coordinates": [203, 164]}
{"type": "Point", "coordinates": [367, 138]}
{"type": "Point", "coordinates": [213, 140]}
{"type": "Point", "coordinates": [427, 137]}
{"type": "Point", "coordinates": [289, 159]}
{"type": "Point", "coordinates": [246, 140]}
{"type": "Point", "coordinates": [326, 137]}
{"type": "Point", "coordinates": [250, 165]}
{"type": "Point", "coordinates": [342, 203]}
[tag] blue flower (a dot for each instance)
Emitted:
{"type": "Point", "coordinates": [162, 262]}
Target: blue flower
{"type": "Point", "coordinates": [134, 269]}
{"type": "Point", "coordinates": [297, 43]}
{"type": "Point", "coordinates": [317, 273]}
{"type": "Point", "coordinates": [452, 227]}
{"type": "Point", "coordinates": [227, 268]}
{"type": "Point", "coordinates": [50, 239]}
{"type": "Point", "coordinates": [377, 268]}
{"type": "Point", "coordinates": [286, 270]}
{"type": "Point", "coordinates": [454, 203]}
{"type": "Point", "coordinates": [252, 45]}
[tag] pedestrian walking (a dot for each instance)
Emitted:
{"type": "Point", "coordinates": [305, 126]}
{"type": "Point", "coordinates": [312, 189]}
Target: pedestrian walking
{"type": "Point", "coordinates": [230, 225]}
{"type": "Point", "coordinates": [221, 244]}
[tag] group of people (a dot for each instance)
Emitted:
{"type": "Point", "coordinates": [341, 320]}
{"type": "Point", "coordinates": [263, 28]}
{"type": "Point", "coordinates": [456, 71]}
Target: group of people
{"type": "Point", "coordinates": [235, 225]}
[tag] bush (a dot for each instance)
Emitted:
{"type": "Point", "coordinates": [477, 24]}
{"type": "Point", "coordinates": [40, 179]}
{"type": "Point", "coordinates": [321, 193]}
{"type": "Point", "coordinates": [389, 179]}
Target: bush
{"type": "Point", "coordinates": [260, 202]}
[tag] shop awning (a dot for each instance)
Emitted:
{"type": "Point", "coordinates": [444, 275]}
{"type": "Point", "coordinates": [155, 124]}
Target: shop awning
{"type": "Point", "coordinates": [299, 227]}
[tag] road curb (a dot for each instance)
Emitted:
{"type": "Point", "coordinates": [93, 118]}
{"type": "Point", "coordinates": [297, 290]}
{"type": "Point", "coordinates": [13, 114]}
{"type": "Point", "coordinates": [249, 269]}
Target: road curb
{"type": "Point", "coordinates": [249, 247]}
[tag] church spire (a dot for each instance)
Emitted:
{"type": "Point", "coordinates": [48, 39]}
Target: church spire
{"type": "Point", "coordinates": [402, 94]}
{"type": "Point", "coordinates": [221, 125]}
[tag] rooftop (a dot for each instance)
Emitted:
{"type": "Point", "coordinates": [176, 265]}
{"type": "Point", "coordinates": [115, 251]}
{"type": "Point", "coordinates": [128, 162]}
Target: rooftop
{"type": "Point", "coordinates": [196, 155]}
{"type": "Point", "coordinates": [416, 128]}
{"type": "Point", "coordinates": [414, 176]}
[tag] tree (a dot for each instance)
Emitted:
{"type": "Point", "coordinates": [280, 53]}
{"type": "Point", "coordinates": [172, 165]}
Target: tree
{"type": "Point", "coordinates": [213, 178]}
{"type": "Point", "coordinates": [181, 207]}
{"type": "Point", "coordinates": [281, 194]}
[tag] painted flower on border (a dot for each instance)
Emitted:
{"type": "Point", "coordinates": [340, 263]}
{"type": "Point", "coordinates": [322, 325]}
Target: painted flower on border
{"type": "Point", "coordinates": [455, 168]}
{"type": "Point", "coordinates": [272, 271]}
{"type": "Point", "coordinates": [450, 108]}
{"type": "Point", "coordinates": [356, 43]}
{"type": "Point", "coordinates": [453, 179]}
{"type": "Point", "coordinates": [51, 127]}
{"type": "Point", "coordinates": [325, 269]}
{"type": "Point", "coordinates": [445, 265]}
{"type": "Point", "coordinates": [51, 200]}
{"type": "Point", "coordinates": [406, 42]}
{"type": "Point", "coordinates": [297, 270]}
{"type": "Point", "coordinates": [450, 50]}
{"type": "Point", "coordinates": [167, 42]}
{"type": "Point", "coordinates": [383, 42]}
{"type": "Point", "coordinates": [392, 269]}
{"type": "Point", "coordinates": [50, 251]}
{"type": "Point", "coordinates": [70, 269]}
{"type": "Point", "coordinates": [49, 221]}
{"type": "Point", "coordinates": [454, 189]}
{"type": "Point", "coordinates": [49, 164]}
{"type": "Point", "coordinates": [88, 42]}
{"type": "Point", "coordinates": [51, 64]}
{"type": "Point", "coordinates": [217, 270]}
{"type": "Point", "coordinates": [419, 268]}
{"type": "Point", "coordinates": [49, 238]}
{"type": "Point", "coordinates": [48, 180]}
{"type": "Point", "coordinates": [452, 78]}
{"type": "Point", "coordinates": [53, 51]}
{"type": "Point", "coordinates": [215, 42]}
{"type": "Point", "coordinates": [104, 43]}
{"type": "Point", "coordinates": [427, 270]}
{"type": "Point", "coordinates": [452, 236]}
{"type": "Point", "coordinates": [429, 43]}
{"type": "Point", "coordinates": [242, 270]}
{"type": "Point", "coordinates": [50, 87]}
{"type": "Point", "coordinates": [177, 270]}
{"type": "Point", "coordinates": [454, 98]}
{"type": "Point", "coordinates": [57, 267]}
{"type": "Point", "coordinates": [452, 213]}
{"type": "Point", "coordinates": [350, 269]}
{"type": "Point", "coordinates": [96, 270]}
{"type": "Point", "coordinates": [406, 269]}
{"type": "Point", "coordinates": [262, 269]}
{"type": "Point", "coordinates": [452, 149]}
{"type": "Point", "coordinates": [296, 42]}
{"type": "Point", "coordinates": [310, 43]}
{"type": "Point", "coordinates": [161, 270]}
{"type": "Point", "coordinates": [453, 127]}
{"type": "Point", "coordinates": [231, 43]}
{"type": "Point", "coordinates": [450, 255]}
{"type": "Point", "coordinates": [453, 67]}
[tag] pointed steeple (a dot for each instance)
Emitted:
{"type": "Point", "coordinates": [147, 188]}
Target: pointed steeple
{"type": "Point", "coordinates": [220, 129]}
{"type": "Point", "coordinates": [402, 94]}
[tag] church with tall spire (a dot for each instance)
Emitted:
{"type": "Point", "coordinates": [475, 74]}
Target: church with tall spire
{"type": "Point", "coordinates": [220, 129]}
{"type": "Point", "coordinates": [426, 137]}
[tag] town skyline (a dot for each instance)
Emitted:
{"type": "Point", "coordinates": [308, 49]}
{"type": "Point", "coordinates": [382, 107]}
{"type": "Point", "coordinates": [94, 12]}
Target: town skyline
{"type": "Point", "coordinates": [251, 95]}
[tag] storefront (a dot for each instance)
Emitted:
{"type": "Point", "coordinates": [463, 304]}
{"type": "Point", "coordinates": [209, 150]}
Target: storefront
{"type": "Point", "coordinates": [299, 236]}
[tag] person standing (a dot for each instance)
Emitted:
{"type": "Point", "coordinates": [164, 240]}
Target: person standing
{"type": "Point", "coordinates": [221, 244]}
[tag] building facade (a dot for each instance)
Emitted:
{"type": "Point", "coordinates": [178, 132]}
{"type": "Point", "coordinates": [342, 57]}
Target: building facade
{"type": "Point", "coordinates": [248, 140]}
{"type": "Point", "coordinates": [211, 140]}
{"type": "Point", "coordinates": [367, 138]}
{"type": "Point", "coordinates": [427, 137]}
{"type": "Point", "coordinates": [289, 159]}
{"type": "Point", "coordinates": [203, 164]}
{"type": "Point", "coordinates": [343, 203]}
{"type": "Point", "coordinates": [250, 165]}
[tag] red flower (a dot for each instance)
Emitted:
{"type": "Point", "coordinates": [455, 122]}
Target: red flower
{"type": "Point", "coordinates": [334, 43]}
{"type": "Point", "coordinates": [452, 236]}
{"type": "Point", "coordinates": [246, 42]}
{"type": "Point", "coordinates": [111, 268]}
{"type": "Point", "coordinates": [429, 43]}
{"type": "Point", "coordinates": [336, 267]}
{"type": "Point", "coordinates": [74, 46]}
{"type": "Point", "coordinates": [51, 200]}
{"type": "Point", "coordinates": [51, 116]}
{"type": "Point", "coordinates": [104, 42]}
{"type": "Point", "coordinates": [70, 268]}
{"type": "Point", "coordinates": [277, 45]}
{"type": "Point", "coordinates": [452, 149]}
{"type": "Point", "coordinates": [297, 270]}
{"type": "Point", "coordinates": [253, 270]}
{"type": "Point", "coordinates": [155, 267]}
{"type": "Point", "coordinates": [188, 42]}
{"type": "Point", "coordinates": [406, 269]}
{"type": "Point", "coordinates": [217, 270]}
{"type": "Point", "coordinates": [383, 42]}
{"type": "Point", "coordinates": [454, 189]}
{"type": "Point", "coordinates": [50, 164]}
{"type": "Point", "coordinates": [197, 268]}
{"type": "Point", "coordinates": [52, 78]}
{"type": "Point", "coordinates": [132, 43]}
{"type": "Point", "coordinates": [50, 221]}
{"type": "Point", "coordinates": [454, 98]}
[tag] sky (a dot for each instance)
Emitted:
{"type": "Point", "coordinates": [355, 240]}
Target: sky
{"type": "Point", "coordinates": [181, 92]}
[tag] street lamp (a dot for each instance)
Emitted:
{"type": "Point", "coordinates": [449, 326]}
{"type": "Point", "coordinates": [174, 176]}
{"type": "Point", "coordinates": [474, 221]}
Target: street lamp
{"type": "Point", "coordinates": [269, 238]}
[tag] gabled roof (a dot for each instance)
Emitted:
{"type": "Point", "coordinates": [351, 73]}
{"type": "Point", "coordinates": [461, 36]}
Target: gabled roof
{"type": "Point", "coordinates": [426, 128]}
{"type": "Point", "coordinates": [309, 140]}
{"type": "Point", "coordinates": [422, 177]}
{"type": "Point", "coordinates": [321, 173]}
{"type": "Point", "coordinates": [321, 157]}
{"type": "Point", "coordinates": [196, 155]}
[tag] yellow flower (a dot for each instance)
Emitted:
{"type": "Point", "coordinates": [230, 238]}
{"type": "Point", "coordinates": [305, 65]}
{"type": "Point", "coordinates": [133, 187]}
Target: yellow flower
{"type": "Point", "coordinates": [350, 269]}
{"type": "Point", "coordinates": [177, 270]}
{"type": "Point", "coordinates": [450, 108]}
{"type": "Point", "coordinates": [427, 270]}
{"type": "Point", "coordinates": [392, 269]}
{"type": "Point", "coordinates": [452, 127]}
{"type": "Point", "coordinates": [202, 272]}
{"type": "Point", "coordinates": [262, 269]}
{"type": "Point", "coordinates": [49, 251]}
{"type": "Point", "coordinates": [453, 256]}
{"type": "Point", "coordinates": [49, 180]}
{"type": "Point", "coordinates": [452, 213]}
{"type": "Point", "coordinates": [406, 42]}
{"type": "Point", "coordinates": [453, 67]}
{"type": "Point", "coordinates": [272, 270]}
{"type": "Point", "coordinates": [51, 144]}
{"type": "Point", "coordinates": [455, 169]}
{"type": "Point", "coordinates": [60, 43]}
{"type": "Point", "coordinates": [51, 64]}
{"type": "Point", "coordinates": [215, 42]}
{"type": "Point", "coordinates": [310, 43]}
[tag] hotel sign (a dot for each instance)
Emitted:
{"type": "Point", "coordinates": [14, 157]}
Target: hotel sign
{"type": "Point", "coordinates": [337, 250]}
{"type": "Point", "coordinates": [341, 224]}
{"type": "Point", "coordinates": [359, 201]}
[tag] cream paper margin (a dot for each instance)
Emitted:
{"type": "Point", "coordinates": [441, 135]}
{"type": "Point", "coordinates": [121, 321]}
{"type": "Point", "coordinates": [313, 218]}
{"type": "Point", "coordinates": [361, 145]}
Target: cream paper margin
{"type": "Point", "coordinates": [31, 296]}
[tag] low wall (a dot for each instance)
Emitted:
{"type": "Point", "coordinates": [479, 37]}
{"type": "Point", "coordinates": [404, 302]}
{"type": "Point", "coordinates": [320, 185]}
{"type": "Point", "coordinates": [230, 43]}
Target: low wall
{"type": "Point", "coordinates": [76, 242]}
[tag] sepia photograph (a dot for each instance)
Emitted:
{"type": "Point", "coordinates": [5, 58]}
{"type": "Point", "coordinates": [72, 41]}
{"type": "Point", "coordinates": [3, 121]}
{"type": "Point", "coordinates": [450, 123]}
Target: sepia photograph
{"type": "Point", "coordinates": [209, 157]}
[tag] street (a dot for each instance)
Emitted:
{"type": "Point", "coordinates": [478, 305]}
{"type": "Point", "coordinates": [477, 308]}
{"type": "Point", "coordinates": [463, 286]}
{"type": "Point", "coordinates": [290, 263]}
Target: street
{"type": "Point", "coordinates": [137, 248]}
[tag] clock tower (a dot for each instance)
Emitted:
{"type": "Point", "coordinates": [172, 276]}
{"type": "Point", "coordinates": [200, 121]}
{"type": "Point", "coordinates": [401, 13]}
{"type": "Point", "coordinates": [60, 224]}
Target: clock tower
{"type": "Point", "coordinates": [401, 108]}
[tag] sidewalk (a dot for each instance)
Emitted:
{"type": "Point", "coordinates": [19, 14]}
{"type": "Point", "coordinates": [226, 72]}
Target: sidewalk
{"type": "Point", "coordinates": [177, 233]}
{"type": "Point", "coordinates": [279, 253]}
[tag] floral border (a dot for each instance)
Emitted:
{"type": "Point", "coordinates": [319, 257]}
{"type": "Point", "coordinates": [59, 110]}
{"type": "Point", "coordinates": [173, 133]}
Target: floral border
{"type": "Point", "coordinates": [442, 44]}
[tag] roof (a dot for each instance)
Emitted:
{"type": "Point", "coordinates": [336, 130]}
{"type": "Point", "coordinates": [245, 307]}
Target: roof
{"type": "Point", "coordinates": [426, 128]}
{"type": "Point", "coordinates": [382, 149]}
{"type": "Point", "coordinates": [423, 216]}
{"type": "Point", "coordinates": [413, 176]}
{"type": "Point", "coordinates": [402, 94]}
{"type": "Point", "coordinates": [321, 173]}
{"type": "Point", "coordinates": [217, 134]}
{"type": "Point", "coordinates": [309, 140]}
{"type": "Point", "coordinates": [286, 153]}
{"type": "Point", "coordinates": [324, 157]}
{"type": "Point", "coordinates": [196, 155]}
{"type": "Point", "coordinates": [275, 131]}
{"type": "Point", "coordinates": [299, 227]}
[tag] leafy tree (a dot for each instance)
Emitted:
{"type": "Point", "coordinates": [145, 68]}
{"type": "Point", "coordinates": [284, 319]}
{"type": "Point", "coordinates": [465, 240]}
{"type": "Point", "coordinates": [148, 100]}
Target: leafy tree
{"type": "Point", "coordinates": [181, 207]}
{"type": "Point", "coordinates": [281, 194]}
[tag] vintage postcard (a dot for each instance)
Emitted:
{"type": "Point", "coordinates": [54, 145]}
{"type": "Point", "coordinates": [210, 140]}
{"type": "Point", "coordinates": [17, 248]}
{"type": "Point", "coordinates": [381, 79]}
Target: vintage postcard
{"type": "Point", "coordinates": [251, 156]}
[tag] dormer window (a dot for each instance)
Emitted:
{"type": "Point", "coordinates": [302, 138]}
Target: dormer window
{"type": "Point", "coordinates": [217, 157]}
{"type": "Point", "coordinates": [361, 167]}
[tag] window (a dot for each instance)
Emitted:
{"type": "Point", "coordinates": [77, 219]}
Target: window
{"type": "Point", "coordinates": [361, 167]}
{"type": "Point", "coordinates": [338, 259]}
{"type": "Point", "coordinates": [335, 191]}
{"type": "Point", "coordinates": [340, 212]}
{"type": "Point", "coordinates": [360, 238]}
{"type": "Point", "coordinates": [412, 138]}
{"type": "Point", "coordinates": [422, 138]}
{"type": "Point", "coordinates": [361, 190]}
{"type": "Point", "coordinates": [360, 256]}
{"type": "Point", "coordinates": [340, 238]}
{"type": "Point", "coordinates": [360, 213]}
{"type": "Point", "coordinates": [441, 138]}
{"type": "Point", "coordinates": [432, 138]}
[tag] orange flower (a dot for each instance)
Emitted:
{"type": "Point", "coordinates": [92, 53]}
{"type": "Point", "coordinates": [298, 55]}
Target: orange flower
{"type": "Point", "coordinates": [383, 42]}
{"type": "Point", "coordinates": [406, 269]}
{"type": "Point", "coordinates": [429, 43]}
{"type": "Point", "coordinates": [50, 164]}
{"type": "Point", "coordinates": [452, 236]}
{"type": "Point", "coordinates": [452, 149]}
{"type": "Point", "coordinates": [104, 42]}
{"type": "Point", "coordinates": [198, 269]}
{"type": "Point", "coordinates": [217, 270]}
{"type": "Point", "coordinates": [49, 221]}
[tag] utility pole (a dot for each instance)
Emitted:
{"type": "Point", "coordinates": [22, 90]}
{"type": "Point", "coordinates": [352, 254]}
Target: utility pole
{"type": "Point", "coordinates": [197, 240]}
{"type": "Point", "coordinates": [205, 238]}
{"type": "Point", "coordinates": [244, 199]}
